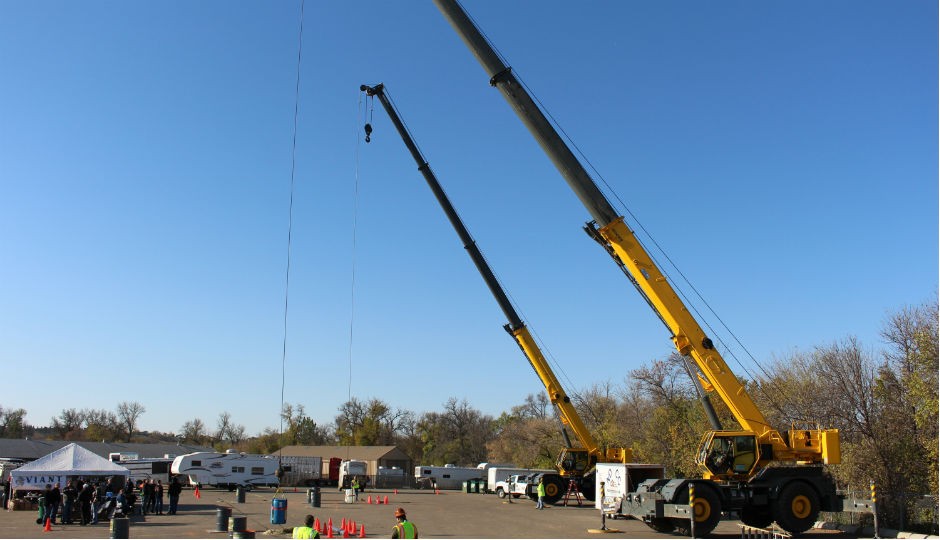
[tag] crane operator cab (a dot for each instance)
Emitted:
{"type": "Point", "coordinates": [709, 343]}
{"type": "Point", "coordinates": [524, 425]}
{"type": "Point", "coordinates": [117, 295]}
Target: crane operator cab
{"type": "Point", "coordinates": [727, 455]}
{"type": "Point", "coordinates": [573, 462]}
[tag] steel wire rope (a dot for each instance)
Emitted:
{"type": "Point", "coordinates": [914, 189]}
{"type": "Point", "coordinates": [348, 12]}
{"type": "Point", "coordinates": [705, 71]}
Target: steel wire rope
{"type": "Point", "coordinates": [290, 226]}
{"type": "Point", "coordinates": [360, 115]}
{"type": "Point", "coordinates": [650, 236]}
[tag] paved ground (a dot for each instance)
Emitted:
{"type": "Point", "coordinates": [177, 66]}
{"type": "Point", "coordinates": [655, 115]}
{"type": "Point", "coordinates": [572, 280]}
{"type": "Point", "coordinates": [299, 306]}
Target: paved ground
{"type": "Point", "coordinates": [449, 514]}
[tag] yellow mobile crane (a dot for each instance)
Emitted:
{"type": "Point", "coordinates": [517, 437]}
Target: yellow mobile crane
{"type": "Point", "coordinates": [575, 463]}
{"type": "Point", "coordinates": [761, 473]}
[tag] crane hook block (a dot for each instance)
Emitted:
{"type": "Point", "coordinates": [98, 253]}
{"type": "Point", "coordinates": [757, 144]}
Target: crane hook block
{"type": "Point", "coordinates": [368, 132]}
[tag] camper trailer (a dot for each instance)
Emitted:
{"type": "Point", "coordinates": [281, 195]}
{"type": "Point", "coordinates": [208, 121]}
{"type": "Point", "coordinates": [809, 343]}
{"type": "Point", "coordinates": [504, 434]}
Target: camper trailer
{"type": "Point", "coordinates": [229, 470]}
{"type": "Point", "coordinates": [446, 477]}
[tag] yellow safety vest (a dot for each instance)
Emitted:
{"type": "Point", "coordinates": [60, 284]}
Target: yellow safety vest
{"type": "Point", "coordinates": [305, 532]}
{"type": "Point", "coordinates": [406, 529]}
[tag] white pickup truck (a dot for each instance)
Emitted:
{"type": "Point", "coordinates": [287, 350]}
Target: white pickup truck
{"type": "Point", "coordinates": [517, 485]}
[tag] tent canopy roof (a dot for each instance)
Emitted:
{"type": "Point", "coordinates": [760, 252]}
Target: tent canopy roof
{"type": "Point", "coordinates": [72, 460]}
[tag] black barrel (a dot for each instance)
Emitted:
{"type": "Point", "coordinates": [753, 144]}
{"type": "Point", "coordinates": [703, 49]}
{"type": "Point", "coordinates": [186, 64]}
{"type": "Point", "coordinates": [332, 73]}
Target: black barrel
{"type": "Point", "coordinates": [240, 494]}
{"type": "Point", "coordinates": [120, 527]}
{"type": "Point", "coordinates": [315, 497]}
{"type": "Point", "coordinates": [243, 534]}
{"type": "Point", "coordinates": [237, 523]}
{"type": "Point", "coordinates": [222, 513]}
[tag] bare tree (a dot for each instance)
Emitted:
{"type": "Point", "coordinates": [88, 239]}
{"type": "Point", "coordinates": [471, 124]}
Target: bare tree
{"type": "Point", "coordinates": [194, 430]}
{"type": "Point", "coordinates": [129, 412]}
{"type": "Point", "coordinates": [222, 426]}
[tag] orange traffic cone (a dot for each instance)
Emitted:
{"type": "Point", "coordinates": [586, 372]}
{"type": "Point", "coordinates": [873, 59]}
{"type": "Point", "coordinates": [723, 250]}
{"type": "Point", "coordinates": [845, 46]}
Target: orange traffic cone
{"type": "Point", "coordinates": [48, 527]}
{"type": "Point", "coordinates": [316, 524]}
{"type": "Point", "coordinates": [437, 491]}
{"type": "Point", "coordinates": [386, 499]}
{"type": "Point", "coordinates": [369, 499]}
{"type": "Point", "coordinates": [343, 524]}
{"type": "Point", "coordinates": [329, 523]}
{"type": "Point", "coordinates": [329, 532]}
{"type": "Point", "coordinates": [396, 491]}
{"type": "Point", "coordinates": [196, 493]}
{"type": "Point", "coordinates": [345, 533]}
{"type": "Point", "coordinates": [362, 531]}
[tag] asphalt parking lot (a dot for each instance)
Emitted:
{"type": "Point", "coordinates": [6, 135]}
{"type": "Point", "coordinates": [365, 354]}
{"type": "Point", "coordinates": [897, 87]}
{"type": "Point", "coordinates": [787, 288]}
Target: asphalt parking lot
{"type": "Point", "coordinates": [449, 514]}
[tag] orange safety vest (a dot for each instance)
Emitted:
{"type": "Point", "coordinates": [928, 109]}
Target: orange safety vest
{"type": "Point", "coordinates": [406, 529]}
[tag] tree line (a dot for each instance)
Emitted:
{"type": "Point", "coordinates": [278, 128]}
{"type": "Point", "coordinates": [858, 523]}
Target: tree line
{"type": "Point", "coordinates": [884, 402]}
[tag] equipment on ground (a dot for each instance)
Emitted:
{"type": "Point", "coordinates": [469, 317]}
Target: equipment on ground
{"type": "Point", "coordinates": [574, 462]}
{"type": "Point", "coordinates": [761, 473]}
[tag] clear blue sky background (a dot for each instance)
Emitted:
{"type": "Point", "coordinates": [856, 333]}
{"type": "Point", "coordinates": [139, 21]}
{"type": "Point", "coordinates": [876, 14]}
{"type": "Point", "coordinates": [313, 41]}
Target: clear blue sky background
{"type": "Point", "coordinates": [784, 154]}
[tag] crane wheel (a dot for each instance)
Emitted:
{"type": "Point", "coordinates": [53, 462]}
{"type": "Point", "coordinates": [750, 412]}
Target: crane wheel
{"type": "Point", "coordinates": [706, 508]}
{"type": "Point", "coordinates": [797, 507]}
{"type": "Point", "coordinates": [759, 517]}
{"type": "Point", "coordinates": [555, 488]}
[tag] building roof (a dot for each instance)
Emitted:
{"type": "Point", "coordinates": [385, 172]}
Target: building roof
{"type": "Point", "coordinates": [364, 453]}
{"type": "Point", "coordinates": [30, 450]}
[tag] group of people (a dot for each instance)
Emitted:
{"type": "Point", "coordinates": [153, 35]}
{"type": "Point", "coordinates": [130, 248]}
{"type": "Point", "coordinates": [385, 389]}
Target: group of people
{"type": "Point", "coordinates": [77, 499]}
{"type": "Point", "coordinates": [403, 528]}
{"type": "Point", "coordinates": [85, 501]}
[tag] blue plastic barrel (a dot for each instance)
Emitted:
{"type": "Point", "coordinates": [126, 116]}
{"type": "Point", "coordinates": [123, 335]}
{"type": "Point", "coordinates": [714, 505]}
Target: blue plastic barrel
{"type": "Point", "coordinates": [278, 511]}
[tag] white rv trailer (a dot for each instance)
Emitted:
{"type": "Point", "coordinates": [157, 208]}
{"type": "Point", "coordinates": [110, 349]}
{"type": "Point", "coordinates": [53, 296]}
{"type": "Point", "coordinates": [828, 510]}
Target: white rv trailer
{"type": "Point", "coordinates": [446, 477]}
{"type": "Point", "coordinates": [229, 470]}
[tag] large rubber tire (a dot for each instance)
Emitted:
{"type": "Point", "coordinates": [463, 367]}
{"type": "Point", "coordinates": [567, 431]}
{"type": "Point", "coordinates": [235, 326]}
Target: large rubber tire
{"type": "Point", "coordinates": [756, 516]}
{"type": "Point", "coordinates": [500, 493]}
{"type": "Point", "coordinates": [707, 508]}
{"type": "Point", "coordinates": [555, 488]}
{"type": "Point", "coordinates": [797, 507]}
{"type": "Point", "coordinates": [661, 525]}
{"type": "Point", "coordinates": [588, 487]}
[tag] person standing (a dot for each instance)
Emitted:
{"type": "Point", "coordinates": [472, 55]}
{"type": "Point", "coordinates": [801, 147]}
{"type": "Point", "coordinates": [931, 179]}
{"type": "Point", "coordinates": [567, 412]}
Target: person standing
{"type": "Point", "coordinates": [54, 502]}
{"type": "Point", "coordinates": [148, 493]}
{"type": "Point", "coordinates": [68, 499]}
{"type": "Point", "coordinates": [84, 499]}
{"type": "Point", "coordinates": [355, 487]}
{"type": "Point", "coordinates": [174, 493]}
{"type": "Point", "coordinates": [307, 530]}
{"type": "Point", "coordinates": [158, 498]}
{"type": "Point", "coordinates": [404, 528]}
{"type": "Point", "coordinates": [540, 489]}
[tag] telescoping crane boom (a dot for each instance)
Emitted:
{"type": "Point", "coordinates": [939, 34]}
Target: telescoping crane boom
{"type": "Point", "coordinates": [762, 473]}
{"type": "Point", "coordinates": [575, 463]}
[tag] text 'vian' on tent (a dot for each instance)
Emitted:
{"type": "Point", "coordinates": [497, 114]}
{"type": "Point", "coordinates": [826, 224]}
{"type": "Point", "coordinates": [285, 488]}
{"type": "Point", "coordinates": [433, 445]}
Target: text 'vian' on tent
{"type": "Point", "coordinates": [67, 462]}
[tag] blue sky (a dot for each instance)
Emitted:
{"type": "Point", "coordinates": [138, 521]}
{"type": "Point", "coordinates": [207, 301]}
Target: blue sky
{"type": "Point", "coordinates": [784, 155]}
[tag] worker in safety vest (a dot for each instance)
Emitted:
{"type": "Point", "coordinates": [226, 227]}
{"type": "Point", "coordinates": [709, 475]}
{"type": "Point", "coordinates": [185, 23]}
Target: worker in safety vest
{"type": "Point", "coordinates": [307, 531]}
{"type": "Point", "coordinates": [404, 528]}
{"type": "Point", "coordinates": [355, 487]}
{"type": "Point", "coordinates": [541, 493]}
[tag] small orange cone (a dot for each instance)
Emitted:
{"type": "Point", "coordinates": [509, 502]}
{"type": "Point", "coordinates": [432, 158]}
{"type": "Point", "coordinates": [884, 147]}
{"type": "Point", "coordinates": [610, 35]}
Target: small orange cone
{"type": "Point", "coordinates": [386, 499]}
{"type": "Point", "coordinates": [329, 532]}
{"type": "Point", "coordinates": [362, 531]}
{"type": "Point", "coordinates": [396, 491]}
{"type": "Point", "coordinates": [345, 533]}
{"type": "Point", "coordinates": [329, 523]}
{"type": "Point", "coordinates": [196, 493]}
{"type": "Point", "coordinates": [48, 527]}
{"type": "Point", "coordinates": [316, 524]}
{"type": "Point", "coordinates": [343, 524]}
{"type": "Point", "coordinates": [369, 499]}
{"type": "Point", "coordinates": [437, 491]}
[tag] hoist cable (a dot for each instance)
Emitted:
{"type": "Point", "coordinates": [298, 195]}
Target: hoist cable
{"type": "Point", "coordinates": [290, 222]}
{"type": "Point", "coordinates": [352, 284]}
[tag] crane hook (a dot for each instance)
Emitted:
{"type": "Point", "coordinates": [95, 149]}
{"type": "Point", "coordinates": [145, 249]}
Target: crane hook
{"type": "Point", "coordinates": [368, 131]}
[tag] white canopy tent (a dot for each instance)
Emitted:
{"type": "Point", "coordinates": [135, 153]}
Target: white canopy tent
{"type": "Point", "coordinates": [67, 462]}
